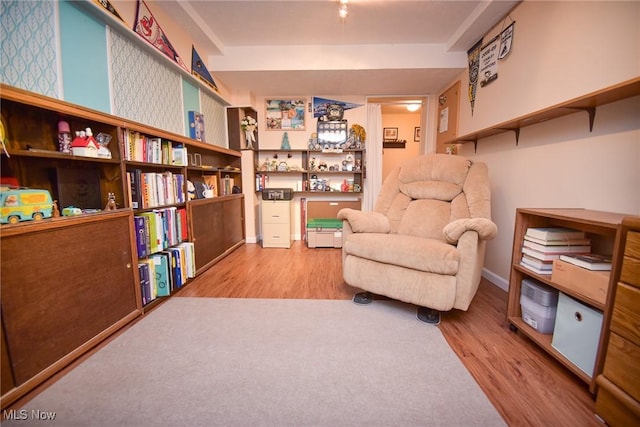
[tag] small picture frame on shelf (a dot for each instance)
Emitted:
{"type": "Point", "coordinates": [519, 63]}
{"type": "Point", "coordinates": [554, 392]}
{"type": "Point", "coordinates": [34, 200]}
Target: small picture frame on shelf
{"type": "Point", "coordinates": [390, 134]}
{"type": "Point", "coordinates": [196, 126]}
{"type": "Point", "coordinates": [416, 134]}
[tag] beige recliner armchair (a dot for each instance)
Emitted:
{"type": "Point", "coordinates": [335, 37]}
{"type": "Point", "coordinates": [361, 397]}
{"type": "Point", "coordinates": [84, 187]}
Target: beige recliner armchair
{"type": "Point", "coordinates": [424, 243]}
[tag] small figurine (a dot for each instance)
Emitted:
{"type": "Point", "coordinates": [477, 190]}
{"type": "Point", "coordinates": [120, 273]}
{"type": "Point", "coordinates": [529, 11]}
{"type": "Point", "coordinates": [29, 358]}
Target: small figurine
{"type": "Point", "coordinates": [111, 203]}
{"type": "Point", "coordinates": [55, 210]}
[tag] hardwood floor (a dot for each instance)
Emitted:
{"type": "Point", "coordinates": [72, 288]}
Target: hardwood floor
{"type": "Point", "coordinates": [527, 386]}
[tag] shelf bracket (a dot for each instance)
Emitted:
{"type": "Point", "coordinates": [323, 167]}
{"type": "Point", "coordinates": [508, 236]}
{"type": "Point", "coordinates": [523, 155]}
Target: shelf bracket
{"type": "Point", "coordinates": [592, 114]}
{"type": "Point", "coordinates": [464, 141]}
{"type": "Point", "coordinates": [516, 131]}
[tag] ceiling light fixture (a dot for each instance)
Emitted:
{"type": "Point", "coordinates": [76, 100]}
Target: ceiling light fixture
{"type": "Point", "coordinates": [343, 11]}
{"type": "Point", "coordinates": [413, 107]}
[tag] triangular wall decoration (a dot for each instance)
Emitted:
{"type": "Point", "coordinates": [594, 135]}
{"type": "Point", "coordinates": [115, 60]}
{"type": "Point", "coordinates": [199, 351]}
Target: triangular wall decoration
{"type": "Point", "coordinates": [109, 7]}
{"type": "Point", "coordinates": [149, 29]}
{"type": "Point", "coordinates": [198, 69]}
{"type": "Point", "coordinates": [320, 105]}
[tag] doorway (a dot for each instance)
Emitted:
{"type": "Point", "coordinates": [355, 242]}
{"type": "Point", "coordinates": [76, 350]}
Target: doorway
{"type": "Point", "coordinates": [401, 129]}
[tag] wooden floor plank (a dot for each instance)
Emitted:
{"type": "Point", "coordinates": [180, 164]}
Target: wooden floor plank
{"type": "Point", "coordinates": [527, 386]}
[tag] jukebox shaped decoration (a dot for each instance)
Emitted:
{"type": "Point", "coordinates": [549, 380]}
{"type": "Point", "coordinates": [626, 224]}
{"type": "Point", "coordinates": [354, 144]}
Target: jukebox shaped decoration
{"type": "Point", "coordinates": [333, 131]}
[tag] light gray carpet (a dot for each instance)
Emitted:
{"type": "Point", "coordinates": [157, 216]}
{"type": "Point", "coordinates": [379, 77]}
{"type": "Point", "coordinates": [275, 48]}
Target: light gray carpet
{"type": "Point", "coordinates": [265, 362]}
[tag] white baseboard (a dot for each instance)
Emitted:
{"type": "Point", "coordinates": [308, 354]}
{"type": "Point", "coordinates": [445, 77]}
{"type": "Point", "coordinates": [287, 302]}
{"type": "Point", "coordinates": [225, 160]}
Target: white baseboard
{"type": "Point", "coordinates": [495, 279]}
{"type": "Point", "coordinates": [253, 239]}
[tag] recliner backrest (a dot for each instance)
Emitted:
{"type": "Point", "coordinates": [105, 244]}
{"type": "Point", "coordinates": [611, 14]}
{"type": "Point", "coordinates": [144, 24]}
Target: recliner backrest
{"type": "Point", "coordinates": [427, 192]}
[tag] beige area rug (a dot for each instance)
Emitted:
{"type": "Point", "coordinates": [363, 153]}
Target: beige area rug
{"type": "Point", "coordinates": [266, 362]}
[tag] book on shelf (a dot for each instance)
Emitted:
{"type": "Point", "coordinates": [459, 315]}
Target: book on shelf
{"type": "Point", "coordinates": [537, 263]}
{"type": "Point", "coordinates": [145, 284]}
{"type": "Point", "coordinates": [536, 270]}
{"type": "Point", "coordinates": [539, 255]}
{"type": "Point", "coordinates": [564, 242]}
{"type": "Point", "coordinates": [141, 225]}
{"type": "Point", "coordinates": [557, 249]}
{"type": "Point", "coordinates": [149, 286]}
{"type": "Point", "coordinates": [555, 233]}
{"type": "Point", "coordinates": [161, 266]}
{"type": "Point", "coordinates": [589, 261]}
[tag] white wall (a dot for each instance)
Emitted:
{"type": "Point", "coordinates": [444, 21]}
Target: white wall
{"type": "Point", "coordinates": [561, 50]}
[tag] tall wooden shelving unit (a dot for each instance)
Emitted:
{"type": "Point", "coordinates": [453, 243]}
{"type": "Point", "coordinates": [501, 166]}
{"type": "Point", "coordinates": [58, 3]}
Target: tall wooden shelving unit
{"type": "Point", "coordinates": [70, 282]}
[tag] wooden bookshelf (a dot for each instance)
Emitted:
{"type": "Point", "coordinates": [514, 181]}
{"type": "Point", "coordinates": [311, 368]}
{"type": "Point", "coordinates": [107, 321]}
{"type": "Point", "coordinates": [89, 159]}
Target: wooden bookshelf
{"type": "Point", "coordinates": [86, 284]}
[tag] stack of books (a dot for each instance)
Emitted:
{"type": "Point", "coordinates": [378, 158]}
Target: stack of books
{"type": "Point", "coordinates": [542, 245]}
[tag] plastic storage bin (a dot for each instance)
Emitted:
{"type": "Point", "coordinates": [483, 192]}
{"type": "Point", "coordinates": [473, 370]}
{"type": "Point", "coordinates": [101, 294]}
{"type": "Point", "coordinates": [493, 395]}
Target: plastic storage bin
{"type": "Point", "coordinates": [539, 292]}
{"type": "Point", "coordinates": [539, 317]}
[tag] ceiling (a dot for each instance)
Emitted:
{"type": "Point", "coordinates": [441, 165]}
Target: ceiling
{"type": "Point", "coordinates": [382, 48]}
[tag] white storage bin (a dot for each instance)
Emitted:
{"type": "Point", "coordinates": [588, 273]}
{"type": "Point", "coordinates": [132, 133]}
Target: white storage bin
{"type": "Point", "coordinates": [577, 332]}
{"type": "Point", "coordinates": [539, 317]}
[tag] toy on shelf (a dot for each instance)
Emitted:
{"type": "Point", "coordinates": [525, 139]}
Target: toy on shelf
{"type": "Point", "coordinates": [111, 203]}
{"type": "Point", "coordinates": [24, 204]}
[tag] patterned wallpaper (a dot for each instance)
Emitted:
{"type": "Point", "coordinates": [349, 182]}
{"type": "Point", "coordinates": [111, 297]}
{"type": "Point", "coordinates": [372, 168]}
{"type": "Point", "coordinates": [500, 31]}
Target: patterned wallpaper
{"type": "Point", "coordinates": [145, 89]}
{"type": "Point", "coordinates": [28, 46]}
{"type": "Point", "coordinates": [215, 120]}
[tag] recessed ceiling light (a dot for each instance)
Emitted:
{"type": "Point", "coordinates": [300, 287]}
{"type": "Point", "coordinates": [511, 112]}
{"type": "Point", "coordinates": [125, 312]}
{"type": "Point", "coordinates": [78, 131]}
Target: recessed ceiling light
{"type": "Point", "coordinates": [413, 107]}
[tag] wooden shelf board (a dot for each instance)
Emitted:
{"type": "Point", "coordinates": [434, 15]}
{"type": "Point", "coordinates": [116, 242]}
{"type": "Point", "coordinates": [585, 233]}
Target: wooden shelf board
{"type": "Point", "coordinates": [544, 342]}
{"type": "Point", "coordinates": [547, 279]}
{"type": "Point", "coordinates": [605, 96]}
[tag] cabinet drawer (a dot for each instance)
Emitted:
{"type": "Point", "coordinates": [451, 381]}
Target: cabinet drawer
{"type": "Point", "coordinates": [622, 365]}
{"type": "Point", "coordinates": [276, 236]}
{"type": "Point", "coordinates": [631, 262]}
{"type": "Point", "coordinates": [276, 212]}
{"type": "Point", "coordinates": [626, 318]}
{"type": "Point", "coordinates": [614, 406]}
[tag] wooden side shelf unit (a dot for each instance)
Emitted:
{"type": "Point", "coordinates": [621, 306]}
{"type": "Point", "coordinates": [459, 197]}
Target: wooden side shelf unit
{"type": "Point", "coordinates": [604, 230]}
{"type": "Point", "coordinates": [587, 103]}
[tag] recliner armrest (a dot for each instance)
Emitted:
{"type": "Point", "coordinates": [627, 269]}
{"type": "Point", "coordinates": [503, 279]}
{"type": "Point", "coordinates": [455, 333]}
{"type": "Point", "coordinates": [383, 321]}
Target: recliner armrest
{"type": "Point", "coordinates": [365, 222]}
{"type": "Point", "coordinates": [485, 228]}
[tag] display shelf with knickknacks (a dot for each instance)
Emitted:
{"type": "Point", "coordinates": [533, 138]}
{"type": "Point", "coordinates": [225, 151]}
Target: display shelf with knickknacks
{"type": "Point", "coordinates": [312, 171]}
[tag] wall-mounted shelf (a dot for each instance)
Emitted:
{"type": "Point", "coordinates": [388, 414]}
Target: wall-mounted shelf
{"type": "Point", "coordinates": [587, 103]}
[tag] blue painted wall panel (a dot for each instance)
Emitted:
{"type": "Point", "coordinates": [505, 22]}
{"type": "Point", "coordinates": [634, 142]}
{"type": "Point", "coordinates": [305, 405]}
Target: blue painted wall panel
{"type": "Point", "coordinates": [85, 71]}
{"type": "Point", "coordinates": [191, 101]}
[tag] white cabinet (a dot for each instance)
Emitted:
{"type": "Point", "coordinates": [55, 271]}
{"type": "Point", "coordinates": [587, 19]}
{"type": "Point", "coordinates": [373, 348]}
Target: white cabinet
{"type": "Point", "coordinates": [277, 223]}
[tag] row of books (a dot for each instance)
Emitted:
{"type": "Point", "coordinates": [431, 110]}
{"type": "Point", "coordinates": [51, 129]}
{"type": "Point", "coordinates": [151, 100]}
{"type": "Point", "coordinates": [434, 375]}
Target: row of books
{"type": "Point", "coordinates": [153, 189]}
{"type": "Point", "coordinates": [140, 148]}
{"type": "Point", "coordinates": [164, 272]}
{"type": "Point", "coordinates": [159, 229]}
{"type": "Point", "coordinates": [543, 245]}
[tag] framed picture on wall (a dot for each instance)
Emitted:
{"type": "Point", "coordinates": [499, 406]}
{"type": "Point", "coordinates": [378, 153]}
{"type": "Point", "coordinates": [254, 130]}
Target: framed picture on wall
{"type": "Point", "coordinates": [285, 114]}
{"type": "Point", "coordinates": [416, 134]}
{"type": "Point", "coordinates": [390, 134]}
